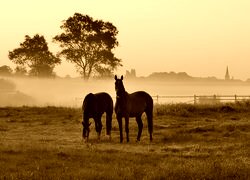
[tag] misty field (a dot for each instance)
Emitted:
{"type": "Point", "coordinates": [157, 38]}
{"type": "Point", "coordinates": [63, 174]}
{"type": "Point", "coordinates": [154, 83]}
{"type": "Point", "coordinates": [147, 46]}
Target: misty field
{"type": "Point", "coordinates": [190, 142]}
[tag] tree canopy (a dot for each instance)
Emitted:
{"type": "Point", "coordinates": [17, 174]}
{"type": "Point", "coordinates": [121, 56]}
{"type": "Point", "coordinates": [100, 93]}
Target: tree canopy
{"type": "Point", "coordinates": [88, 44]}
{"type": "Point", "coordinates": [20, 70]}
{"type": "Point", "coordinates": [5, 70]}
{"type": "Point", "coordinates": [34, 53]}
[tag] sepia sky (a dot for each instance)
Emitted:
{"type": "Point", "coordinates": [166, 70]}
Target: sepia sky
{"type": "Point", "coordinates": [200, 37]}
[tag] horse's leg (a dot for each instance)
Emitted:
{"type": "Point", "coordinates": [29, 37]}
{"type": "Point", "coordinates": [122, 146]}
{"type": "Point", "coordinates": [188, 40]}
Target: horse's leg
{"type": "Point", "coordinates": [98, 126]}
{"type": "Point", "coordinates": [150, 123]}
{"type": "Point", "coordinates": [119, 119]}
{"type": "Point", "coordinates": [109, 124]}
{"type": "Point", "coordinates": [140, 126]}
{"type": "Point", "coordinates": [127, 127]}
{"type": "Point", "coordinates": [83, 135]}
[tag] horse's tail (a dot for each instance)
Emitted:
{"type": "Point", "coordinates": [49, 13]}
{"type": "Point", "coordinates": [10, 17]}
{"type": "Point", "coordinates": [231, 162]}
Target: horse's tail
{"type": "Point", "coordinates": [149, 113]}
{"type": "Point", "coordinates": [109, 114]}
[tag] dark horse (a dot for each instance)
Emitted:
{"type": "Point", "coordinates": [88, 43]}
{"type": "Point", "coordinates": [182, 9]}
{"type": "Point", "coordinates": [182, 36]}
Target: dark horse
{"type": "Point", "coordinates": [133, 105]}
{"type": "Point", "coordinates": [94, 105]}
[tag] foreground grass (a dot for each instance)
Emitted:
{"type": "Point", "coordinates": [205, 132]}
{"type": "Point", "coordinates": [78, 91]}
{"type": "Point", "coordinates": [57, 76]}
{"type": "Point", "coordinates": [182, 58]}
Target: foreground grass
{"type": "Point", "coordinates": [190, 142]}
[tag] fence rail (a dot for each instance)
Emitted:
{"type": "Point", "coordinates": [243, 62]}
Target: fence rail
{"type": "Point", "coordinates": [195, 99]}
{"type": "Point", "coordinates": [201, 99]}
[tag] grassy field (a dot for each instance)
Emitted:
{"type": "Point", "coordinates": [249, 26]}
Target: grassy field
{"type": "Point", "coordinates": [190, 142]}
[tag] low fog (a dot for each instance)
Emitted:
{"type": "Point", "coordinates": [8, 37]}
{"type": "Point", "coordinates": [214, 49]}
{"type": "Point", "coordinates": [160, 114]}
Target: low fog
{"type": "Point", "coordinates": [70, 92]}
{"type": "Point", "coordinates": [54, 92]}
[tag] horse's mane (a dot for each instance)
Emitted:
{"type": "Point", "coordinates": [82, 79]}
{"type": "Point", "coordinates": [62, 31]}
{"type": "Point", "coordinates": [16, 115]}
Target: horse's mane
{"type": "Point", "coordinates": [121, 89]}
{"type": "Point", "coordinates": [88, 99]}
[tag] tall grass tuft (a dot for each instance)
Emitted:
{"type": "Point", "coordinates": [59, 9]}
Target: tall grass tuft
{"type": "Point", "coordinates": [187, 110]}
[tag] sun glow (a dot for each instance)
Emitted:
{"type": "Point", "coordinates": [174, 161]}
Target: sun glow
{"type": "Point", "coordinates": [197, 37]}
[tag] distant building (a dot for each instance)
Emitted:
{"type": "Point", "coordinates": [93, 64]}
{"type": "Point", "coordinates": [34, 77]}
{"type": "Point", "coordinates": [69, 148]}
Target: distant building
{"type": "Point", "coordinates": [131, 74]}
{"type": "Point", "coordinates": [227, 76]}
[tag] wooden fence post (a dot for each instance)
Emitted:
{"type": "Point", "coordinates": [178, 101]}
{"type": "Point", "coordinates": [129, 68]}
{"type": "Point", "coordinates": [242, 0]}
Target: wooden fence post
{"type": "Point", "coordinates": [195, 99]}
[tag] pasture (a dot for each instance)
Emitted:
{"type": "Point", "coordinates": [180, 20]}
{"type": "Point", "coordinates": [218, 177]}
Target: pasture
{"type": "Point", "coordinates": [189, 142]}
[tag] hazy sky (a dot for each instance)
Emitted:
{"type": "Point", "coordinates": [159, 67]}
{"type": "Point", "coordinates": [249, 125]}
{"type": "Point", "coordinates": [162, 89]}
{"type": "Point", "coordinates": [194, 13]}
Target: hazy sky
{"type": "Point", "coordinates": [200, 37]}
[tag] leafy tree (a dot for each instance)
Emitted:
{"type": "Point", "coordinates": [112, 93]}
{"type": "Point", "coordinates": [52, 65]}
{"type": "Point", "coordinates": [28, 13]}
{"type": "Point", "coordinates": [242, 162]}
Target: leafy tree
{"type": "Point", "coordinates": [104, 72]}
{"type": "Point", "coordinates": [20, 70]}
{"type": "Point", "coordinates": [35, 54]}
{"type": "Point", "coordinates": [5, 70]}
{"type": "Point", "coordinates": [88, 44]}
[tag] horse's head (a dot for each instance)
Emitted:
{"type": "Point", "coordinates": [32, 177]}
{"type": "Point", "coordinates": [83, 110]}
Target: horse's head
{"type": "Point", "coordinates": [85, 131]}
{"type": "Point", "coordinates": [119, 88]}
{"type": "Point", "coordinates": [88, 108]}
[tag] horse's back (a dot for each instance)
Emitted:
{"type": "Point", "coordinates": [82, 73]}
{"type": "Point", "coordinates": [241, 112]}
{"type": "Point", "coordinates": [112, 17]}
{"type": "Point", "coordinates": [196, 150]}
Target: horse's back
{"type": "Point", "coordinates": [140, 101]}
{"type": "Point", "coordinates": [104, 101]}
{"type": "Point", "coordinates": [97, 103]}
{"type": "Point", "coordinates": [104, 97]}
{"type": "Point", "coordinates": [141, 96]}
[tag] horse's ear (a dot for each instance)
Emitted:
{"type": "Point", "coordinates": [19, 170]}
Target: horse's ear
{"type": "Point", "coordinates": [122, 77]}
{"type": "Point", "coordinates": [115, 77]}
{"type": "Point", "coordinates": [89, 95]}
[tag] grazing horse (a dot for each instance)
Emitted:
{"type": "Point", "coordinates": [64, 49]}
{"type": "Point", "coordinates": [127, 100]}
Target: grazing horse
{"type": "Point", "coordinates": [132, 105]}
{"type": "Point", "coordinates": [94, 105]}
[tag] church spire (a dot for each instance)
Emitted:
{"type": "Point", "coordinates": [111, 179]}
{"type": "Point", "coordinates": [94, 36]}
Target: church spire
{"type": "Point", "coordinates": [227, 77]}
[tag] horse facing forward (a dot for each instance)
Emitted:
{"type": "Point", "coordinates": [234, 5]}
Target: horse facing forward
{"type": "Point", "coordinates": [94, 105]}
{"type": "Point", "coordinates": [132, 105]}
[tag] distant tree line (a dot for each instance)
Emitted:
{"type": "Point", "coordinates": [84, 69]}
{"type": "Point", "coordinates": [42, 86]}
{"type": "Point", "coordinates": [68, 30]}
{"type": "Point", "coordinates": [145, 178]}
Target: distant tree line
{"type": "Point", "coordinates": [85, 42]}
{"type": "Point", "coordinates": [7, 71]}
{"type": "Point", "coordinates": [170, 76]}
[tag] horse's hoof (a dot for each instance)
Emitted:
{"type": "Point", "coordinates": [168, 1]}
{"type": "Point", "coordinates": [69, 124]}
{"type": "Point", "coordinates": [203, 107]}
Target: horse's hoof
{"type": "Point", "coordinates": [109, 138]}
